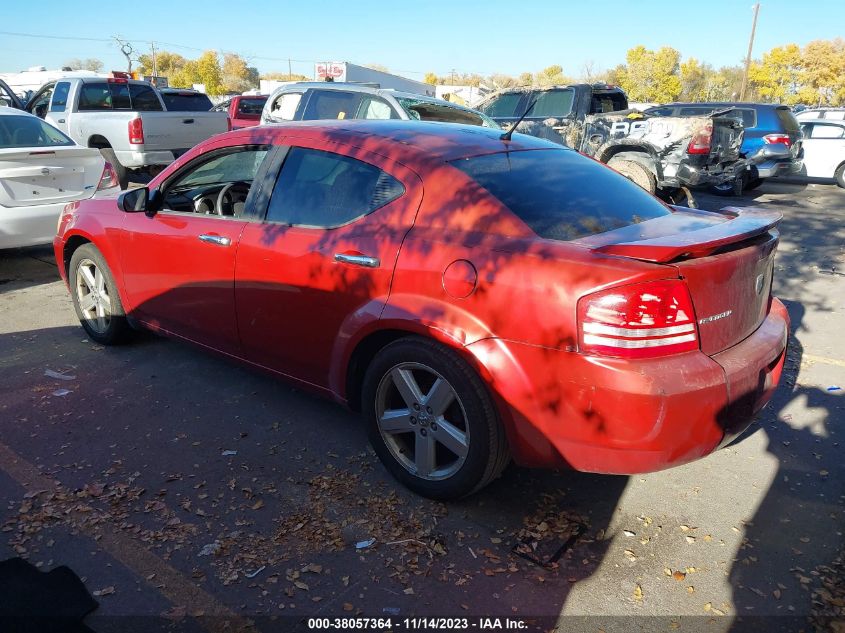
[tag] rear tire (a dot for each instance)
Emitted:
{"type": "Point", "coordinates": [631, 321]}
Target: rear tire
{"type": "Point", "coordinates": [753, 183]}
{"type": "Point", "coordinates": [731, 188]}
{"type": "Point", "coordinates": [119, 170]}
{"type": "Point", "coordinates": [95, 297]}
{"type": "Point", "coordinates": [839, 176]}
{"type": "Point", "coordinates": [431, 420]}
{"type": "Point", "coordinates": [636, 173]}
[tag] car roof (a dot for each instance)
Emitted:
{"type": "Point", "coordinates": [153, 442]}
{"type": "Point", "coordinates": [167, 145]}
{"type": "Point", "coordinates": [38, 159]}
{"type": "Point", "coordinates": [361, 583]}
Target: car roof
{"type": "Point", "coordinates": [418, 141]}
{"type": "Point", "coordinates": [5, 111]}
{"type": "Point", "coordinates": [720, 104]}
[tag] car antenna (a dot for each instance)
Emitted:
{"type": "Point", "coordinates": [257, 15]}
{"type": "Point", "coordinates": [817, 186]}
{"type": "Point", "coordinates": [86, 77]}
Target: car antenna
{"type": "Point", "coordinates": [507, 135]}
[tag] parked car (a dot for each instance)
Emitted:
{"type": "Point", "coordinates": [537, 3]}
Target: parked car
{"type": "Point", "coordinates": [182, 100]}
{"type": "Point", "coordinates": [124, 119]}
{"type": "Point", "coordinates": [243, 110]}
{"type": "Point", "coordinates": [475, 297]}
{"type": "Point", "coordinates": [824, 149]}
{"type": "Point", "coordinates": [772, 139]}
{"type": "Point", "coordinates": [8, 98]}
{"type": "Point", "coordinates": [309, 101]}
{"type": "Point", "coordinates": [832, 114]}
{"type": "Point", "coordinates": [661, 155]}
{"type": "Point", "coordinates": [41, 170]}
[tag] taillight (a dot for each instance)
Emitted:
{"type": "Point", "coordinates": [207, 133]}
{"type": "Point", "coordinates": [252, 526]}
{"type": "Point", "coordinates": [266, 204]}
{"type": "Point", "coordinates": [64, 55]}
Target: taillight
{"type": "Point", "coordinates": [229, 123]}
{"type": "Point", "coordinates": [700, 141]}
{"type": "Point", "coordinates": [641, 320]}
{"type": "Point", "coordinates": [65, 215]}
{"type": "Point", "coordinates": [772, 139]}
{"type": "Point", "coordinates": [108, 179]}
{"type": "Point", "coordinates": [136, 131]}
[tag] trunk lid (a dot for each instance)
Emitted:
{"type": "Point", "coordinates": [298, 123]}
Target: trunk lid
{"type": "Point", "coordinates": [46, 176]}
{"type": "Point", "coordinates": [725, 258]}
{"type": "Point", "coordinates": [726, 140]}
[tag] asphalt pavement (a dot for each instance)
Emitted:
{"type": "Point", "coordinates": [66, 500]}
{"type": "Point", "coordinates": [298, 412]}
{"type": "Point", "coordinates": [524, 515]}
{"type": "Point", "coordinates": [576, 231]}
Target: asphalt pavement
{"type": "Point", "coordinates": [178, 484]}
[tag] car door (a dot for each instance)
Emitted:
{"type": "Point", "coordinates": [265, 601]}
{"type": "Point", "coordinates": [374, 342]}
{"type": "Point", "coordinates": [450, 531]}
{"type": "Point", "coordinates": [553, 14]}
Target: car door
{"type": "Point", "coordinates": [56, 115]}
{"type": "Point", "coordinates": [39, 104]}
{"type": "Point", "coordinates": [824, 148]}
{"type": "Point", "coordinates": [178, 265]}
{"type": "Point", "coordinates": [323, 256]}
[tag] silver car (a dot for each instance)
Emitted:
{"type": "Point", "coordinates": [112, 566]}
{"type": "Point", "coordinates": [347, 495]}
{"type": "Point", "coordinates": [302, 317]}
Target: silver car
{"type": "Point", "coordinates": [308, 101]}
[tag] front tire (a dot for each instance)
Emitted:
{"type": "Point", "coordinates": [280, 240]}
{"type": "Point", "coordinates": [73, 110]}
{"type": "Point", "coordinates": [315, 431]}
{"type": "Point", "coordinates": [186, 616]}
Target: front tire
{"type": "Point", "coordinates": [839, 176]}
{"type": "Point", "coordinates": [431, 420]}
{"type": "Point", "coordinates": [95, 297]}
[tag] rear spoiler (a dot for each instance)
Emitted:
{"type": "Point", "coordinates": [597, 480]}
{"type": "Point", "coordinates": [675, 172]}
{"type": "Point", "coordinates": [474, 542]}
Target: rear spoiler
{"type": "Point", "coordinates": [742, 224]}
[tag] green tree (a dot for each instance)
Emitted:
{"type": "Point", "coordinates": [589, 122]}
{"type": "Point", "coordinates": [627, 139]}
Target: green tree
{"type": "Point", "coordinates": [777, 76]}
{"type": "Point", "coordinates": [651, 76]}
{"type": "Point", "coordinates": [551, 76]}
{"type": "Point", "coordinates": [237, 75]}
{"type": "Point", "coordinates": [284, 77]}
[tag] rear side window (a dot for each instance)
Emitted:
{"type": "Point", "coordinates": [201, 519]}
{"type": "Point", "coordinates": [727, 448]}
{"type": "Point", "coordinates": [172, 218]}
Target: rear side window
{"type": "Point", "coordinates": [787, 120]}
{"type": "Point", "coordinates": [553, 103]}
{"type": "Point", "coordinates": [560, 194]}
{"type": "Point", "coordinates": [332, 104]}
{"type": "Point", "coordinates": [504, 105]}
{"type": "Point", "coordinates": [95, 97]}
{"type": "Point", "coordinates": [29, 131]}
{"type": "Point", "coordinates": [820, 130]}
{"type": "Point", "coordinates": [60, 93]}
{"type": "Point", "coordinates": [746, 116]}
{"type": "Point", "coordinates": [251, 106]}
{"type": "Point", "coordinates": [186, 102]}
{"type": "Point", "coordinates": [694, 111]}
{"type": "Point", "coordinates": [326, 190]}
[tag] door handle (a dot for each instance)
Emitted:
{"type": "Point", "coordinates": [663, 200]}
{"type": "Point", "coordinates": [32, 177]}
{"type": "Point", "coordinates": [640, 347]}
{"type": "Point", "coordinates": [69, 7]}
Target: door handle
{"type": "Point", "coordinates": [187, 120]}
{"type": "Point", "coordinates": [357, 260]}
{"type": "Point", "coordinates": [219, 240]}
{"type": "Point", "coordinates": [61, 120]}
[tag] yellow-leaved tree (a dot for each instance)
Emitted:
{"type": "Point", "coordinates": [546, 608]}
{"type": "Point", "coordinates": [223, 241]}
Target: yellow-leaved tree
{"type": "Point", "coordinates": [650, 76]}
{"type": "Point", "coordinates": [776, 77]}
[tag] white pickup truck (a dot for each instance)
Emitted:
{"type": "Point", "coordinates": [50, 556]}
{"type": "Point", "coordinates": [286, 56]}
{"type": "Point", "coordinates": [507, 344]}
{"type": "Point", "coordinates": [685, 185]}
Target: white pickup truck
{"type": "Point", "coordinates": [125, 119]}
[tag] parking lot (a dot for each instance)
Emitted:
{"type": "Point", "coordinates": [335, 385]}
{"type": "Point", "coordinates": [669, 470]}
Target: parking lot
{"type": "Point", "coordinates": [176, 483]}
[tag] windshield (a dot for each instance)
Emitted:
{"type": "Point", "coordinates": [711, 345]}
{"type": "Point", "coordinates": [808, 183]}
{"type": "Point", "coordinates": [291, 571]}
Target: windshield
{"type": "Point", "coordinates": [186, 102]}
{"type": "Point", "coordinates": [560, 194]}
{"type": "Point", "coordinates": [423, 110]}
{"type": "Point", "coordinates": [504, 105]}
{"type": "Point", "coordinates": [29, 131]}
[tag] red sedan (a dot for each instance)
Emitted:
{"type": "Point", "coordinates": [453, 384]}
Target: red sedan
{"type": "Point", "coordinates": [477, 298]}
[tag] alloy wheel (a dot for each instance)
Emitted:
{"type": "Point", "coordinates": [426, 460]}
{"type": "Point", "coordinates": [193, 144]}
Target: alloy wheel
{"type": "Point", "coordinates": [93, 296]}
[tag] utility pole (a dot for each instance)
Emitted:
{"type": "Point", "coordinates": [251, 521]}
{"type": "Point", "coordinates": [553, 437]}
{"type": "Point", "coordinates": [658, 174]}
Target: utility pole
{"type": "Point", "coordinates": [748, 56]}
{"type": "Point", "coordinates": [452, 78]}
{"type": "Point", "coordinates": [290, 72]}
{"type": "Point", "coordinates": [155, 65]}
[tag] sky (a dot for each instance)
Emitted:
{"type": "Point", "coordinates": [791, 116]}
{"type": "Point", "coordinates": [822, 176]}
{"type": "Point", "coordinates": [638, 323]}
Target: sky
{"type": "Point", "coordinates": [410, 38]}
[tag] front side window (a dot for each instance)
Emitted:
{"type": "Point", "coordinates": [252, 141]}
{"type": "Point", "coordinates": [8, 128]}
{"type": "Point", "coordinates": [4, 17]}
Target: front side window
{"type": "Point", "coordinates": [59, 101]}
{"type": "Point", "coordinates": [560, 194]}
{"type": "Point", "coordinates": [326, 190]}
{"type": "Point", "coordinates": [553, 103]}
{"type": "Point", "coordinates": [217, 185]}
{"type": "Point", "coordinates": [26, 131]}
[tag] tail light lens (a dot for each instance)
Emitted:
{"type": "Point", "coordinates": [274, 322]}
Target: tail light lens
{"type": "Point", "coordinates": [700, 142]}
{"type": "Point", "coordinates": [229, 123]}
{"type": "Point", "coordinates": [108, 179]}
{"type": "Point", "coordinates": [65, 215]}
{"type": "Point", "coordinates": [644, 320]}
{"type": "Point", "coordinates": [772, 139]}
{"type": "Point", "coordinates": [136, 132]}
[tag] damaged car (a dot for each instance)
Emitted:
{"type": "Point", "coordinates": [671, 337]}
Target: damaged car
{"type": "Point", "coordinates": [661, 154]}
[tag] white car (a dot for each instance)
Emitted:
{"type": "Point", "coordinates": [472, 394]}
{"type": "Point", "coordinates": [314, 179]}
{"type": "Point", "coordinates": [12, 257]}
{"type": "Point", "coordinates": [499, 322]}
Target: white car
{"type": "Point", "coordinates": [824, 149]}
{"type": "Point", "coordinates": [41, 170]}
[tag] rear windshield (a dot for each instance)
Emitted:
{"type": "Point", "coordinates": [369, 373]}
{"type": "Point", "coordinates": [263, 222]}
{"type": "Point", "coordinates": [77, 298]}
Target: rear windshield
{"type": "Point", "coordinates": [251, 106]}
{"type": "Point", "coordinates": [788, 120]}
{"type": "Point", "coordinates": [423, 110]}
{"type": "Point", "coordinates": [187, 102]}
{"type": "Point", "coordinates": [118, 96]}
{"type": "Point", "coordinates": [560, 194]}
{"type": "Point", "coordinates": [29, 131]}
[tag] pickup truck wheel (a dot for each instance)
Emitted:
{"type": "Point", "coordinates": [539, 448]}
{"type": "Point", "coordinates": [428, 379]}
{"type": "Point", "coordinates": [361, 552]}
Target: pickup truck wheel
{"type": "Point", "coordinates": [120, 171]}
{"type": "Point", "coordinates": [839, 176]}
{"type": "Point", "coordinates": [636, 173]}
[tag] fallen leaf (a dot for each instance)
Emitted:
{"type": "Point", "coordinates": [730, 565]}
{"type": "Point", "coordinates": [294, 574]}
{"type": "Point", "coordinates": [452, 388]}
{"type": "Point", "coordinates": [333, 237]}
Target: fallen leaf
{"type": "Point", "coordinates": [679, 575]}
{"type": "Point", "coordinates": [776, 593]}
{"type": "Point", "coordinates": [409, 591]}
{"type": "Point", "coordinates": [629, 533]}
{"type": "Point", "coordinates": [638, 593]}
{"type": "Point", "coordinates": [106, 591]}
{"type": "Point", "coordinates": [690, 539]}
{"type": "Point", "coordinates": [630, 555]}
{"type": "Point", "coordinates": [301, 585]}
{"type": "Point", "coordinates": [690, 589]}
{"type": "Point", "coordinates": [347, 606]}
{"type": "Point", "coordinates": [258, 505]}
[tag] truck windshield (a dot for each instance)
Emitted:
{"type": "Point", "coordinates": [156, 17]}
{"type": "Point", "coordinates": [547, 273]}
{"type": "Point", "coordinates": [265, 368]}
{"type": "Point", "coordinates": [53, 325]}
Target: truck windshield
{"type": "Point", "coordinates": [560, 194]}
{"type": "Point", "coordinates": [504, 105]}
{"type": "Point", "coordinates": [186, 102]}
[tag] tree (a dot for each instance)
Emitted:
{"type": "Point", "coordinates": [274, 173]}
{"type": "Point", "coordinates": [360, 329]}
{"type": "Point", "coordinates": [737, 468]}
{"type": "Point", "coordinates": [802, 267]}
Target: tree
{"type": "Point", "coordinates": [431, 78]}
{"type": "Point", "coordinates": [551, 76]}
{"type": "Point", "coordinates": [85, 64]}
{"type": "Point", "coordinates": [651, 76]}
{"type": "Point", "coordinates": [167, 64]}
{"type": "Point", "coordinates": [823, 72]}
{"type": "Point", "coordinates": [695, 80]}
{"type": "Point", "coordinates": [776, 77]}
{"type": "Point", "coordinates": [237, 76]}
{"type": "Point", "coordinates": [284, 77]}
{"type": "Point", "coordinates": [209, 73]}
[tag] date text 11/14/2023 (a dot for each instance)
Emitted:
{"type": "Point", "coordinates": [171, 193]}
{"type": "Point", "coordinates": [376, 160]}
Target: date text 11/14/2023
{"type": "Point", "coordinates": [417, 624]}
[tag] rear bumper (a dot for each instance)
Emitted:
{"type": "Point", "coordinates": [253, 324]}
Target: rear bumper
{"type": "Point", "coordinates": [614, 416]}
{"type": "Point", "coordinates": [774, 160]}
{"type": "Point", "coordinates": [134, 159]}
{"type": "Point", "coordinates": [28, 226]}
{"type": "Point", "coordinates": [694, 176]}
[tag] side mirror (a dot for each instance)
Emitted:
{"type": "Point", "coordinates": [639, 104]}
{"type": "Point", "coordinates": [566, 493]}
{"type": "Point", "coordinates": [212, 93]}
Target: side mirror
{"type": "Point", "coordinates": [134, 200]}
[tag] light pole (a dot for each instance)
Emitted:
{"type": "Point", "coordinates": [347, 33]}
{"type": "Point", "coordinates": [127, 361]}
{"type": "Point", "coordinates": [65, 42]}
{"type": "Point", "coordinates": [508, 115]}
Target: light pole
{"type": "Point", "coordinates": [748, 56]}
